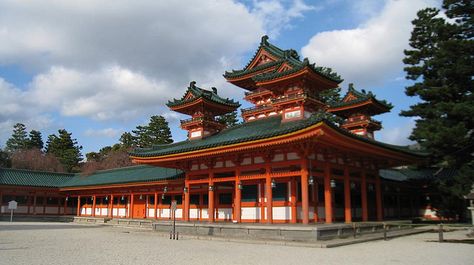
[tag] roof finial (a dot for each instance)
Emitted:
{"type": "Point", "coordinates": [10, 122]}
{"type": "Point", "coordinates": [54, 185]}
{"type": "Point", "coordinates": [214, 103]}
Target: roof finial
{"type": "Point", "coordinates": [192, 84]}
{"type": "Point", "coordinates": [351, 86]}
{"type": "Point", "coordinates": [306, 61]}
{"type": "Point", "coordinates": [214, 90]}
{"type": "Point", "coordinates": [265, 39]}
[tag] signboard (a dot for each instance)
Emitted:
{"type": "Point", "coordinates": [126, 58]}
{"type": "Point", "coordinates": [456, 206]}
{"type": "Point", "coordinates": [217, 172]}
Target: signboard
{"type": "Point", "coordinates": [12, 205]}
{"type": "Point", "coordinates": [174, 205]}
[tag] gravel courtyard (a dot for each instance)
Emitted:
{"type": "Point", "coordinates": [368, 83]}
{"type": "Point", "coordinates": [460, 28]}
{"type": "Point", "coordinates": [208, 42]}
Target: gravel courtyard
{"type": "Point", "coordinates": [67, 243]}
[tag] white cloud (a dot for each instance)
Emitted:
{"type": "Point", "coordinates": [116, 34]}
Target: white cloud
{"type": "Point", "coordinates": [397, 134]}
{"type": "Point", "coordinates": [107, 132]}
{"type": "Point", "coordinates": [276, 15]}
{"type": "Point", "coordinates": [372, 52]}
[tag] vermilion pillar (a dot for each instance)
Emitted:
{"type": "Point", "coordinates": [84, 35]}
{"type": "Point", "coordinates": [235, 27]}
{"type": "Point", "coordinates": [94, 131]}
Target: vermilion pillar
{"type": "Point", "coordinates": [130, 214]}
{"type": "Point", "coordinates": [378, 198]}
{"type": "Point", "coordinates": [110, 211]}
{"type": "Point", "coordinates": [304, 191]}
{"type": "Point", "coordinates": [156, 204]}
{"type": "Point", "coordinates": [186, 201]}
{"type": "Point", "coordinates": [65, 205]}
{"type": "Point", "coordinates": [268, 194]}
{"type": "Point", "coordinates": [34, 203]}
{"type": "Point", "coordinates": [210, 210]}
{"type": "Point", "coordinates": [293, 201]}
{"type": "Point", "coordinates": [347, 196]}
{"type": "Point", "coordinates": [78, 206]}
{"type": "Point", "coordinates": [363, 191]}
{"type": "Point", "coordinates": [93, 205]}
{"type": "Point", "coordinates": [327, 193]}
{"type": "Point", "coordinates": [238, 198]}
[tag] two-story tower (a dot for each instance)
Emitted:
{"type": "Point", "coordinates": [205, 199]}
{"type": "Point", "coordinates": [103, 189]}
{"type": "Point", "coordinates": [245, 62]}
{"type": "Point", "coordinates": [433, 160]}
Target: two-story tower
{"type": "Point", "coordinates": [279, 83]}
{"type": "Point", "coordinates": [203, 106]}
{"type": "Point", "coordinates": [357, 108]}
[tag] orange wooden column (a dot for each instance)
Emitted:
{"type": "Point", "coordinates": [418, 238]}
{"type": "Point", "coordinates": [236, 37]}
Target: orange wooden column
{"type": "Point", "coordinates": [347, 196]}
{"type": "Point", "coordinates": [156, 205]}
{"type": "Point", "coordinates": [34, 203]}
{"type": "Point", "coordinates": [238, 198]}
{"type": "Point", "coordinates": [304, 191]}
{"type": "Point", "coordinates": [363, 192]}
{"type": "Point", "coordinates": [78, 205]}
{"type": "Point", "coordinates": [293, 201]}
{"type": "Point", "coordinates": [93, 205]}
{"type": "Point", "coordinates": [110, 211]}
{"type": "Point", "coordinates": [327, 193]}
{"type": "Point", "coordinates": [210, 203]}
{"type": "Point", "coordinates": [130, 214]}
{"type": "Point", "coordinates": [268, 194]}
{"type": "Point", "coordinates": [65, 205]}
{"type": "Point", "coordinates": [378, 198]}
{"type": "Point", "coordinates": [186, 193]}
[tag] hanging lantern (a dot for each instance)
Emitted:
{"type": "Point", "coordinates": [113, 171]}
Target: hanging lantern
{"type": "Point", "coordinates": [162, 196]}
{"type": "Point", "coordinates": [273, 184]}
{"type": "Point", "coordinates": [141, 197]}
{"type": "Point", "coordinates": [106, 198]}
{"type": "Point", "coordinates": [165, 189]}
{"type": "Point", "coordinates": [185, 189]}
{"type": "Point", "coordinates": [311, 180]}
{"type": "Point", "coordinates": [211, 187]}
{"type": "Point", "coordinates": [333, 183]}
{"type": "Point", "coordinates": [240, 186]}
{"type": "Point", "coordinates": [67, 198]}
{"type": "Point", "coordinates": [122, 198]}
{"type": "Point", "coordinates": [353, 185]}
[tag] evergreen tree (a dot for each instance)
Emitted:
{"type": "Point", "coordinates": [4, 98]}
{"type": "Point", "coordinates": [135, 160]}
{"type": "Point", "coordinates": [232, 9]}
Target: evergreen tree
{"type": "Point", "coordinates": [35, 140]}
{"type": "Point", "coordinates": [66, 149]}
{"type": "Point", "coordinates": [229, 119]}
{"type": "Point", "coordinates": [127, 140]}
{"type": "Point", "coordinates": [441, 64]}
{"type": "Point", "coordinates": [5, 160]}
{"type": "Point", "coordinates": [19, 139]}
{"type": "Point", "coordinates": [156, 132]}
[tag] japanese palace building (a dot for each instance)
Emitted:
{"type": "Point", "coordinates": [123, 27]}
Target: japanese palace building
{"type": "Point", "coordinates": [286, 163]}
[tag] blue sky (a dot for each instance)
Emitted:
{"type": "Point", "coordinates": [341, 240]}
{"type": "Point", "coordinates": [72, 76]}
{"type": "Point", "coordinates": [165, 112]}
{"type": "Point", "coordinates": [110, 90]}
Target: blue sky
{"type": "Point", "coordinates": [98, 69]}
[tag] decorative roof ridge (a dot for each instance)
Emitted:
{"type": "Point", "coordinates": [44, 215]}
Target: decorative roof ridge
{"type": "Point", "coordinates": [361, 97]}
{"type": "Point", "coordinates": [204, 93]}
{"type": "Point", "coordinates": [38, 171]}
{"type": "Point", "coordinates": [324, 71]}
{"type": "Point", "coordinates": [113, 170]}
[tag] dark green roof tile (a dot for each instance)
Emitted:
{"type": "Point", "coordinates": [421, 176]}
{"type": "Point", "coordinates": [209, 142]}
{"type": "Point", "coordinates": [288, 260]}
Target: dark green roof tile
{"type": "Point", "coordinates": [254, 130]}
{"type": "Point", "coordinates": [141, 173]}
{"type": "Point", "coordinates": [22, 177]}
{"type": "Point", "coordinates": [360, 97]}
{"type": "Point", "coordinates": [203, 93]}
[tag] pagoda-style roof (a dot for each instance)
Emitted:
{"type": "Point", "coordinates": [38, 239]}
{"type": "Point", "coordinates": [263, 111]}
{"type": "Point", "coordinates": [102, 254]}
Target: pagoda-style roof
{"type": "Point", "coordinates": [271, 63]}
{"type": "Point", "coordinates": [196, 95]}
{"type": "Point", "coordinates": [357, 101]}
{"type": "Point", "coordinates": [258, 130]}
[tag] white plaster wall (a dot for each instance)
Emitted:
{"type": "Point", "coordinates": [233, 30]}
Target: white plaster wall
{"type": "Point", "coordinates": [179, 213]}
{"type": "Point", "coordinates": [51, 210]}
{"type": "Point", "coordinates": [151, 213]}
{"type": "Point", "coordinates": [205, 213]}
{"type": "Point", "coordinates": [292, 156]}
{"type": "Point", "coordinates": [193, 213]}
{"type": "Point", "coordinates": [224, 213]}
{"type": "Point", "coordinates": [21, 209]}
{"type": "Point", "coordinates": [122, 212]}
{"type": "Point", "coordinates": [247, 161]}
{"type": "Point", "coordinates": [299, 213]}
{"type": "Point", "coordinates": [258, 160]}
{"type": "Point", "coordinates": [165, 213]}
{"type": "Point", "coordinates": [250, 213]}
{"type": "Point", "coordinates": [282, 213]}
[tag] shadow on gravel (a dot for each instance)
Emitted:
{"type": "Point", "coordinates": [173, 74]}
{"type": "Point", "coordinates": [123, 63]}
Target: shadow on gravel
{"type": "Point", "coordinates": [42, 227]}
{"type": "Point", "coordinates": [463, 241]}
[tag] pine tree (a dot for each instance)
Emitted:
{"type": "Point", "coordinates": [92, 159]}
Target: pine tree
{"type": "Point", "coordinates": [141, 136]}
{"type": "Point", "coordinates": [5, 160]}
{"type": "Point", "coordinates": [18, 140]}
{"type": "Point", "coordinates": [330, 95]}
{"type": "Point", "coordinates": [66, 149]}
{"type": "Point", "coordinates": [441, 64]}
{"type": "Point", "coordinates": [127, 140]}
{"type": "Point", "coordinates": [229, 119]}
{"type": "Point", "coordinates": [35, 140]}
{"type": "Point", "coordinates": [158, 131]}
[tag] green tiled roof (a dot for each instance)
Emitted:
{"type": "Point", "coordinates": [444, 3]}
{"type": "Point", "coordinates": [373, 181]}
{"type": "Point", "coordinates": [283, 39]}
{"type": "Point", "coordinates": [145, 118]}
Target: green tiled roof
{"type": "Point", "coordinates": [291, 57]}
{"type": "Point", "coordinates": [198, 92]}
{"type": "Point", "coordinates": [406, 174]}
{"type": "Point", "coordinates": [360, 97]}
{"type": "Point", "coordinates": [250, 131]}
{"type": "Point", "coordinates": [22, 177]}
{"type": "Point", "coordinates": [141, 173]}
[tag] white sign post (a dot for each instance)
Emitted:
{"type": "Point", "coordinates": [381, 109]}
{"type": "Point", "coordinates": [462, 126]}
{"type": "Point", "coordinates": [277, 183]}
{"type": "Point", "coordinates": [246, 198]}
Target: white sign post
{"type": "Point", "coordinates": [12, 205]}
